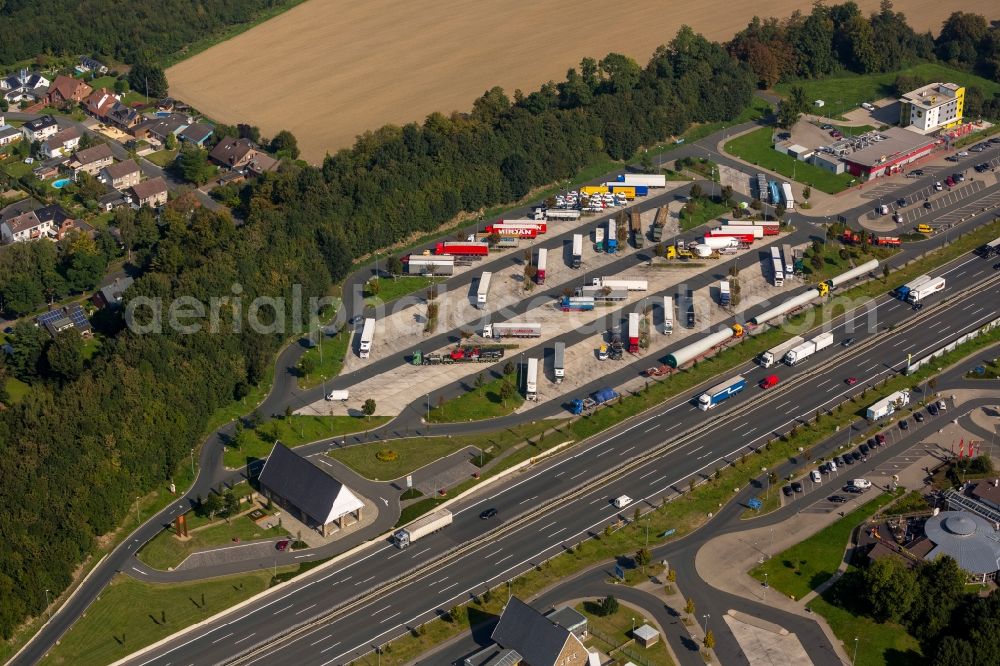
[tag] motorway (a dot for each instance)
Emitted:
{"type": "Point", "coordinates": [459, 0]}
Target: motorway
{"type": "Point", "coordinates": [694, 449]}
{"type": "Point", "coordinates": [286, 393]}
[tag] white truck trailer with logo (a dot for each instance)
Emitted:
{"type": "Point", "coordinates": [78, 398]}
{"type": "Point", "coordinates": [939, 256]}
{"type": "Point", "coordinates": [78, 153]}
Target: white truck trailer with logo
{"type": "Point", "coordinates": [559, 362]}
{"type": "Point", "coordinates": [808, 348]}
{"type": "Point", "coordinates": [430, 264]}
{"type": "Point", "coordinates": [623, 284]}
{"type": "Point", "coordinates": [931, 286]}
{"type": "Point", "coordinates": [888, 405]}
{"type": "Point", "coordinates": [668, 315]}
{"type": "Point", "coordinates": [483, 291]}
{"type": "Point", "coordinates": [367, 338]}
{"type": "Point", "coordinates": [562, 214]}
{"type": "Point", "coordinates": [531, 380]}
{"type": "Point", "coordinates": [577, 250]}
{"type": "Point", "coordinates": [512, 330]}
{"type": "Point", "coordinates": [421, 527]}
{"type": "Point", "coordinates": [777, 267]}
{"type": "Point", "coordinates": [775, 354]}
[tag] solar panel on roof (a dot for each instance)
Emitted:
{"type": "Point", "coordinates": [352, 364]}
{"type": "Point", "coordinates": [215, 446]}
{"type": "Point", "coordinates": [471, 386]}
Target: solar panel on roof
{"type": "Point", "coordinates": [77, 316]}
{"type": "Point", "coordinates": [49, 317]}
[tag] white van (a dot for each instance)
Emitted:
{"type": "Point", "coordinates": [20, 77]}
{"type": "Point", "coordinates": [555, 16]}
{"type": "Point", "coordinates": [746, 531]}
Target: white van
{"type": "Point", "coordinates": [861, 483]}
{"type": "Point", "coordinates": [622, 502]}
{"type": "Point", "coordinates": [867, 107]}
{"type": "Point", "coordinates": [340, 395]}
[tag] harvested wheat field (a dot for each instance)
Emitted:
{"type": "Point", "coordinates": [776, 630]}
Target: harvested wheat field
{"type": "Point", "coordinates": [330, 69]}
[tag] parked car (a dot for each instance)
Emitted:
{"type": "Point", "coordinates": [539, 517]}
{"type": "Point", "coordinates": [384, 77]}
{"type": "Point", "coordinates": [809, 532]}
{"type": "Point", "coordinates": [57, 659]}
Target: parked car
{"type": "Point", "coordinates": [851, 381]}
{"type": "Point", "coordinates": [918, 417]}
{"type": "Point", "coordinates": [932, 409]}
{"type": "Point", "coordinates": [916, 172]}
{"type": "Point", "coordinates": [996, 267]}
{"type": "Point", "coordinates": [864, 449]}
{"type": "Point", "coordinates": [839, 460]}
{"type": "Point", "coordinates": [943, 407]}
{"type": "Point", "coordinates": [927, 204]}
{"type": "Point", "coordinates": [951, 158]}
{"type": "Point", "coordinates": [488, 513]}
{"type": "Point", "coordinates": [938, 186]}
{"type": "Point", "coordinates": [856, 455]}
{"type": "Point", "coordinates": [958, 177]}
{"type": "Point", "coordinates": [787, 490]}
{"type": "Point", "coordinates": [848, 342]}
{"type": "Point", "coordinates": [853, 489]}
{"type": "Point", "coordinates": [814, 475]}
{"type": "Point", "coordinates": [949, 181]}
{"type": "Point", "coordinates": [796, 486]}
{"type": "Point", "coordinates": [980, 168]}
{"type": "Point", "coordinates": [838, 499]}
{"type": "Point", "coordinates": [901, 202]}
{"type": "Point", "coordinates": [962, 153]}
{"type": "Point", "coordinates": [283, 544]}
{"type": "Point", "coordinates": [826, 126]}
{"type": "Point", "coordinates": [848, 459]}
{"type": "Point", "coordinates": [904, 425]}
{"type": "Point", "coordinates": [880, 438]}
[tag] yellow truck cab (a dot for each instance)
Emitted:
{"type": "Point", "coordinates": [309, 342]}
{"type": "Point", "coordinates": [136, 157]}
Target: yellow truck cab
{"type": "Point", "coordinates": [602, 353]}
{"type": "Point", "coordinates": [924, 228]}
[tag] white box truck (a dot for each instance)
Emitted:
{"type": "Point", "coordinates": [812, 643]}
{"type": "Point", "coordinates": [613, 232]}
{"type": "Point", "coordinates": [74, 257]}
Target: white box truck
{"type": "Point", "coordinates": [808, 348]}
{"type": "Point", "coordinates": [577, 250]}
{"type": "Point", "coordinates": [668, 315]}
{"type": "Point", "coordinates": [421, 527]}
{"type": "Point", "coordinates": [773, 355]}
{"type": "Point", "coordinates": [931, 286]}
{"type": "Point", "coordinates": [367, 338]}
{"type": "Point", "coordinates": [338, 394]}
{"type": "Point", "coordinates": [531, 380]}
{"type": "Point", "coordinates": [887, 405]}
{"type": "Point", "coordinates": [559, 362]}
{"type": "Point", "coordinates": [627, 285]}
{"type": "Point", "coordinates": [484, 290]}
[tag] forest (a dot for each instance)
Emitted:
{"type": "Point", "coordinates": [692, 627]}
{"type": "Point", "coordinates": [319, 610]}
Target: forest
{"type": "Point", "coordinates": [87, 438]}
{"type": "Point", "coordinates": [148, 31]}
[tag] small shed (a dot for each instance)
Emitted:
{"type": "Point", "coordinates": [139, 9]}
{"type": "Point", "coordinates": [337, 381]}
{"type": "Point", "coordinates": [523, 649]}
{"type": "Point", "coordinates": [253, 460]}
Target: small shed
{"type": "Point", "coordinates": [646, 636]}
{"type": "Point", "coordinates": [819, 103]}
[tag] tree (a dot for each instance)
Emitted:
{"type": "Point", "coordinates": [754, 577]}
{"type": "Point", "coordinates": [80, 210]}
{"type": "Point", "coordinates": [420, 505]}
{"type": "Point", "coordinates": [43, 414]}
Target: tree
{"type": "Point", "coordinates": [21, 295]}
{"type": "Point", "coordinates": [697, 192]}
{"type": "Point", "coordinates": [506, 392]}
{"type": "Point", "coordinates": [643, 557]}
{"type": "Point", "coordinates": [941, 585]}
{"type": "Point", "coordinates": [85, 270]}
{"type": "Point", "coordinates": [890, 588]}
{"type": "Point", "coordinates": [788, 115]}
{"type": "Point", "coordinates": [797, 99]}
{"type": "Point", "coordinates": [212, 505]}
{"type": "Point", "coordinates": [394, 265]}
{"type": "Point", "coordinates": [709, 641]}
{"type": "Point", "coordinates": [231, 504]}
{"type": "Point", "coordinates": [192, 164]}
{"type": "Point", "coordinates": [508, 368]}
{"type": "Point", "coordinates": [368, 408]}
{"type": "Point", "coordinates": [885, 271]}
{"type": "Point", "coordinates": [609, 605]}
{"type": "Point", "coordinates": [516, 171]}
{"type": "Point", "coordinates": [148, 79]}
{"type": "Point", "coordinates": [171, 142]}
{"type": "Point", "coordinates": [28, 344]}
{"type": "Point", "coordinates": [64, 355]}
{"type": "Point", "coordinates": [954, 652]}
{"type": "Point", "coordinates": [689, 606]}
{"type": "Point", "coordinates": [284, 144]}
{"type": "Point", "coordinates": [121, 86]}
{"type": "Point", "coordinates": [307, 365]}
{"type": "Point", "coordinates": [480, 381]}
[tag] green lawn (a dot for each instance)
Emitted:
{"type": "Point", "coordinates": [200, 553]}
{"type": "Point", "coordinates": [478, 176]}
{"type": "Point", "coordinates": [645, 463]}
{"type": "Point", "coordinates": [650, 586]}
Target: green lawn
{"type": "Point", "coordinates": [477, 404]}
{"type": "Point", "coordinates": [991, 370]}
{"type": "Point", "coordinates": [165, 550]}
{"type": "Point", "coordinates": [129, 615]}
{"type": "Point", "coordinates": [704, 210]}
{"type": "Point", "coordinates": [294, 431]}
{"type": "Point", "coordinates": [757, 148]}
{"type": "Point", "coordinates": [327, 363]}
{"type": "Point", "coordinates": [611, 631]}
{"type": "Point", "coordinates": [852, 90]}
{"type": "Point", "coordinates": [806, 565]}
{"type": "Point", "coordinates": [236, 408]}
{"type": "Point", "coordinates": [106, 81]}
{"type": "Point", "coordinates": [162, 158]}
{"type": "Point", "coordinates": [413, 453]}
{"type": "Point", "coordinates": [878, 644]}
{"type": "Point", "coordinates": [833, 264]}
{"type": "Point", "coordinates": [16, 168]}
{"type": "Point", "coordinates": [390, 289]}
{"type": "Point", "coordinates": [16, 389]}
{"type": "Point", "coordinates": [90, 347]}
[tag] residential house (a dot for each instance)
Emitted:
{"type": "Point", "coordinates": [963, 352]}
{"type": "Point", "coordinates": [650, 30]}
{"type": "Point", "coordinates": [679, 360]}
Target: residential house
{"type": "Point", "coordinates": [100, 102]}
{"type": "Point", "coordinates": [63, 142]}
{"type": "Point", "coordinates": [536, 639]}
{"type": "Point", "coordinates": [111, 294]}
{"type": "Point", "coordinates": [24, 85]}
{"type": "Point", "coordinates": [197, 134]}
{"type": "Point", "coordinates": [261, 162]}
{"type": "Point", "coordinates": [121, 175]}
{"type": "Point", "coordinates": [65, 318]}
{"type": "Point", "coordinates": [232, 153]}
{"type": "Point", "coordinates": [91, 160]}
{"type": "Point", "coordinates": [88, 64]}
{"type": "Point", "coordinates": [49, 168]}
{"type": "Point", "coordinates": [40, 129]}
{"type": "Point", "coordinates": [67, 90]}
{"type": "Point", "coordinates": [9, 134]}
{"type": "Point", "coordinates": [78, 226]}
{"type": "Point", "coordinates": [25, 227]}
{"type": "Point", "coordinates": [156, 130]}
{"type": "Point", "coordinates": [114, 199]}
{"type": "Point", "coordinates": [152, 192]}
{"type": "Point", "coordinates": [124, 117]}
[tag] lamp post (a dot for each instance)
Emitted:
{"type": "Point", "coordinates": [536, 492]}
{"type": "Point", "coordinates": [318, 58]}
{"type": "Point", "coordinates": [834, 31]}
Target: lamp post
{"type": "Point", "coordinates": [765, 585]}
{"type": "Point", "coordinates": [633, 627]}
{"type": "Point", "coordinates": [192, 464]}
{"type": "Point", "coordinates": [705, 617]}
{"type": "Point", "coordinates": [46, 601]}
{"type": "Point", "coordinates": [428, 408]}
{"type": "Point", "coordinates": [138, 516]}
{"type": "Point", "coordinates": [854, 659]}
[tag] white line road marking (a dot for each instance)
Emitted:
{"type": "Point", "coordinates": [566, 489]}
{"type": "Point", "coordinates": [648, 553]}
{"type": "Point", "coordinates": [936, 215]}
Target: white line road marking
{"type": "Point", "coordinates": [437, 582]}
{"type": "Point", "coordinates": [627, 450]}
{"type": "Point", "coordinates": [221, 638]}
{"type": "Point", "coordinates": [389, 617]}
{"type": "Point", "coordinates": [330, 648]}
{"type": "Point", "coordinates": [140, 571]}
{"type": "Point", "coordinates": [787, 402]}
{"type": "Point", "coordinates": [696, 450]}
{"type": "Point", "coordinates": [360, 582]}
{"type": "Point", "coordinates": [528, 500]}
{"type": "Point", "coordinates": [445, 589]}
{"type": "Point", "coordinates": [283, 609]}
{"type": "Point", "coordinates": [493, 553]}
{"type": "Point", "coordinates": [503, 560]}
{"type": "Point", "coordinates": [382, 609]}
{"type": "Point", "coordinates": [655, 481]}
{"type": "Point", "coordinates": [602, 453]}
{"type": "Point", "coordinates": [305, 609]}
{"type": "Point", "coordinates": [651, 429]}
{"type": "Point", "coordinates": [648, 474]}
{"type": "Point", "coordinates": [421, 552]}
{"type": "Point", "coordinates": [578, 475]}
{"type": "Point", "coordinates": [599, 499]}
{"type": "Point", "coordinates": [544, 527]}
{"type": "Point", "coordinates": [299, 557]}
{"type": "Point", "coordinates": [552, 535]}
{"type": "Point", "coordinates": [245, 638]}
{"type": "Point", "coordinates": [325, 638]}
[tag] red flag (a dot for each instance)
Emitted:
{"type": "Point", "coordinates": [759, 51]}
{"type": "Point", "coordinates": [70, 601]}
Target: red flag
{"type": "Point", "coordinates": [961, 448]}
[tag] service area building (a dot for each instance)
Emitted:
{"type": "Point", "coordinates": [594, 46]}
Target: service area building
{"type": "Point", "coordinates": [307, 492]}
{"type": "Point", "coordinates": [884, 158]}
{"type": "Point", "coordinates": [932, 107]}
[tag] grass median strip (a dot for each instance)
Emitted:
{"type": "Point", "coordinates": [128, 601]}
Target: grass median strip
{"type": "Point", "coordinates": [292, 431]}
{"type": "Point", "coordinates": [165, 550]}
{"type": "Point", "coordinates": [495, 398]}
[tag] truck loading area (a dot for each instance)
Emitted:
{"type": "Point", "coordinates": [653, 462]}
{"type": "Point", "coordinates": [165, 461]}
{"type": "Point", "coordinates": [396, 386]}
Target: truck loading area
{"type": "Point", "coordinates": [581, 363]}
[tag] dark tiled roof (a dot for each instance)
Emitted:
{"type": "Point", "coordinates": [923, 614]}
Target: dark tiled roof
{"type": "Point", "coordinates": [39, 124]}
{"type": "Point", "coordinates": [534, 636]}
{"type": "Point", "coordinates": [229, 151]}
{"type": "Point", "coordinates": [197, 132]}
{"type": "Point", "coordinates": [52, 213]}
{"type": "Point", "coordinates": [121, 169]}
{"type": "Point", "coordinates": [101, 151]}
{"type": "Point", "coordinates": [149, 188]}
{"type": "Point", "coordinates": [303, 484]}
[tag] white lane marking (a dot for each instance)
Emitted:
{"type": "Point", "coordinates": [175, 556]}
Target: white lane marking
{"type": "Point", "coordinates": [504, 559]}
{"type": "Point", "coordinates": [551, 535]}
{"type": "Point", "coordinates": [222, 638]}
{"type": "Point", "coordinates": [655, 481]}
{"type": "Point", "coordinates": [602, 453]}
{"type": "Point", "coordinates": [361, 582]}
{"type": "Point", "coordinates": [381, 609]}
{"type": "Point", "coordinates": [543, 527]}
{"type": "Point", "coordinates": [528, 500]}
{"type": "Point", "coordinates": [493, 553]}
{"type": "Point", "coordinates": [330, 648]}
{"type": "Point", "coordinates": [578, 475]}
{"type": "Point", "coordinates": [245, 638]}
{"type": "Point", "coordinates": [627, 450]}
{"type": "Point", "coordinates": [389, 617]}
{"type": "Point", "coordinates": [325, 638]}
{"type": "Point", "coordinates": [140, 571]}
{"type": "Point", "coordinates": [305, 609]}
{"type": "Point", "coordinates": [445, 589]}
{"type": "Point", "coordinates": [282, 610]}
{"type": "Point", "coordinates": [650, 473]}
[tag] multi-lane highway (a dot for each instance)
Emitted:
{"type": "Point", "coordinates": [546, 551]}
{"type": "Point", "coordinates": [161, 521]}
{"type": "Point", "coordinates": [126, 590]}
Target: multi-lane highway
{"type": "Point", "coordinates": [694, 445]}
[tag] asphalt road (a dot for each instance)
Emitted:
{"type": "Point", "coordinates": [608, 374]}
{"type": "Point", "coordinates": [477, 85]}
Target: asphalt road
{"type": "Point", "coordinates": [746, 421]}
{"type": "Point", "coordinates": [285, 392]}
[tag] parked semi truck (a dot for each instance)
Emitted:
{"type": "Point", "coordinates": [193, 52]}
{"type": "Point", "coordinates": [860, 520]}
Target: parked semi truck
{"type": "Point", "coordinates": [577, 250]}
{"type": "Point", "coordinates": [468, 249]}
{"type": "Point", "coordinates": [668, 315]}
{"type": "Point", "coordinates": [538, 225]}
{"type": "Point", "coordinates": [888, 405]}
{"type": "Point", "coordinates": [770, 227]}
{"type": "Point", "coordinates": [724, 295]}
{"type": "Point", "coordinates": [808, 348]}
{"type": "Point", "coordinates": [429, 264]}
{"type": "Point", "coordinates": [649, 180]}
{"type": "Point", "coordinates": [718, 243]}
{"type": "Point", "coordinates": [626, 284]}
{"type": "Point", "coordinates": [786, 193]}
{"type": "Point", "coordinates": [531, 380]}
{"type": "Point", "coordinates": [596, 399]}
{"type": "Point", "coordinates": [367, 338]}
{"type": "Point", "coordinates": [559, 362]}
{"type": "Point", "coordinates": [777, 267]}
{"type": "Point", "coordinates": [741, 229]}
{"type": "Point", "coordinates": [483, 291]}
{"type": "Point", "coordinates": [421, 527]}
{"type": "Point", "coordinates": [562, 214]}
{"type": "Point", "coordinates": [635, 228]}
{"type": "Point", "coordinates": [599, 240]}
{"type": "Point", "coordinates": [789, 260]}
{"type": "Point", "coordinates": [775, 354]}
{"type": "Point", "coordinates": [931, 286]}
{"type": "Point", "coordinates": [576, 303]}
{"type": "Point", "coordinates": [543, 256]}
{"type": "Point", "coordinates": [611, 242]}
{"type": "Point", "coordinates": [512, 330]}
{"type": "Point", "coordinates": [599, 294]}
{"type": "Point", "coordinates": [633, 332]}
{"type": "Point", "coordinates": [517, 230]}
{"type": "Point", "coordinates": [721, 392]}
{"type": "Point", "coordinates": [659, 223]}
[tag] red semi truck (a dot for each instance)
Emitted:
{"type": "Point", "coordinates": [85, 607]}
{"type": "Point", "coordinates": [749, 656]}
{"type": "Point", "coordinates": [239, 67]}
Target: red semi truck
{"type": "Point", "coordinates": [468, 249]}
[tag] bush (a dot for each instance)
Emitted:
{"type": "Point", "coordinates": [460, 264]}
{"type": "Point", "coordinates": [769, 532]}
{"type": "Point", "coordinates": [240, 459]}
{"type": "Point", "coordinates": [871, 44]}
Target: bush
{"type": "Point", "coordinates": [386, 455]}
